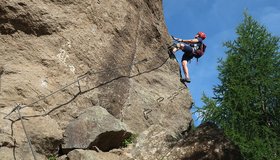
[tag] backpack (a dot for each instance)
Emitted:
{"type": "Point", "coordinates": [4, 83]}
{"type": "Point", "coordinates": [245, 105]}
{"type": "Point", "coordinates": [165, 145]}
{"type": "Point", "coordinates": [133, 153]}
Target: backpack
{"type": "Point", "coordinates": [200, 51]}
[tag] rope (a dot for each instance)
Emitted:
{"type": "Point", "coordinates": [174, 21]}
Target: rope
{"type": "Point", "coordinates": [18, 107]}
{"type": "Point", "coordinates": [89, 72]}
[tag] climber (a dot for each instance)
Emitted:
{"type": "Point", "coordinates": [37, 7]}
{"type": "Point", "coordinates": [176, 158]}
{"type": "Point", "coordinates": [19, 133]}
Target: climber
{"type": "Point", "coordinates": [191, 48]}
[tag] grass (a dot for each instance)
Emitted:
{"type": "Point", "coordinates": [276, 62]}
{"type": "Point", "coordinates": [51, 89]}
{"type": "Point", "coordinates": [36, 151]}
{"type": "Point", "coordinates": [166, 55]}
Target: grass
{"type": "Point", "coordinates": [52, 157]}
{"type": "Point", "coordinates": [131, 139]}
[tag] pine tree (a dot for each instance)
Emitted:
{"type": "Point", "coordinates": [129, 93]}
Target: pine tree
{"type": "Point", "coordinates": [246, 102]}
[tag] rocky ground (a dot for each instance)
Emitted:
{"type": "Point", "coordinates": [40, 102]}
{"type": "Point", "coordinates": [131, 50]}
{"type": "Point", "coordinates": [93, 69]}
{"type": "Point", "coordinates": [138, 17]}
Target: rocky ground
{"type": "Point", "coordinates": [83, 77]}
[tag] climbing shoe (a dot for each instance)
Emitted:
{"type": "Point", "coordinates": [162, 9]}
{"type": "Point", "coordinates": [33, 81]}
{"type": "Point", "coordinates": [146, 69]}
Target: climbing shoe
{"type": "Point", "coordinates": [170, 51]}
{"type": "Point", "coordinates": [188, 80]}
{"type": "Point", "coordinates": [171, 55]}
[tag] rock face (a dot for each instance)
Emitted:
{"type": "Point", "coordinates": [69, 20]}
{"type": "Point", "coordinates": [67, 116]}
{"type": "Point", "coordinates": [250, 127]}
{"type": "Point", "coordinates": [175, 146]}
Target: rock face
{"type": "Point", "coordinates": [206, 142]}
{"type": "Point", "coordinates": [61, 58]}
{"type": "Point", "coordinates": [27, 17]}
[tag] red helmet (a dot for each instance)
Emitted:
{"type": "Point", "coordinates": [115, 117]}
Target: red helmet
{"type": "Point", "coordinates": [201, 35]}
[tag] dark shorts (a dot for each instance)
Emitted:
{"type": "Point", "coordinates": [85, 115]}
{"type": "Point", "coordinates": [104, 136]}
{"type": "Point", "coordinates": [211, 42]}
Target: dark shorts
{"type": "Point", "coordinates": [188, 53]}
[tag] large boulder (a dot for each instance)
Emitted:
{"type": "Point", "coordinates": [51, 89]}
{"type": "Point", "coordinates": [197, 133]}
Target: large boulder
{"type": "Point", "coordinates": [207, 142]}
{"type": "Point", "coordinates": [95, 127]}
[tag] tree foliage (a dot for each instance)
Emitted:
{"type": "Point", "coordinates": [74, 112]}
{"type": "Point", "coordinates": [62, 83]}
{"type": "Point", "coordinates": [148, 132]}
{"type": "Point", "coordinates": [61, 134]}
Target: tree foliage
{"type": "Point", "coordinates": [246, 102]}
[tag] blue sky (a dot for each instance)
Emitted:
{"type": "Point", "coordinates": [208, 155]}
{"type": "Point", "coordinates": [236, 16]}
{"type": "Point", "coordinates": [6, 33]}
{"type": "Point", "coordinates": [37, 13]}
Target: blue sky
{"type": "Point", "coordinates": [218, 19]}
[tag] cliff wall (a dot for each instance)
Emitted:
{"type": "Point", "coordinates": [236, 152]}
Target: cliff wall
{"type": "Point", "coordinates": [86, 75]}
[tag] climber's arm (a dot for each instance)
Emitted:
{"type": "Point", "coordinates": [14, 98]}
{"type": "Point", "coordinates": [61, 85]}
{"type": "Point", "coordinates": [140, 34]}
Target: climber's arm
{"type": "Point", "coordinates": [190, 41]}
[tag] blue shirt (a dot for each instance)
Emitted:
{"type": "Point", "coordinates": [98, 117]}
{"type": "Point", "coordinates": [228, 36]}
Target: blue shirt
{"type": "Point", "coordinates": [198, 44]}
